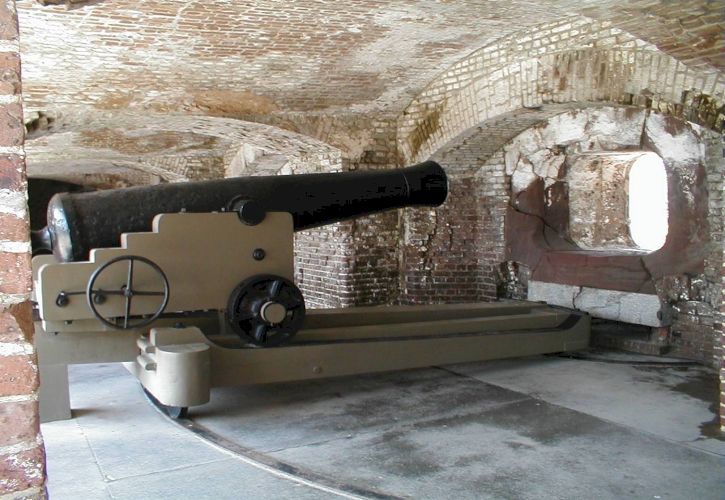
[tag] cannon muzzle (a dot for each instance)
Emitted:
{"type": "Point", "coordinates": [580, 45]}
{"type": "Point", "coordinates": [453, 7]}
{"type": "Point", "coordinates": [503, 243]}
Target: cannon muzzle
{"type": "Point", "coordinates": [79, 222]}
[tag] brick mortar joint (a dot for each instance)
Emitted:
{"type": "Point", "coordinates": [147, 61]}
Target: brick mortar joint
{"type": "Point", "coordinates": [23, 398]}
{"type": "Point", "coordinates": [14, 449]}
{"type": "Point", "coordinates": [10, 46]}
{"type": "Point", "coordinates": [38, 492]}
{"type": "Point", "coordinates": [20, 348]}
{"type": "Point", "coordinates": [13, 299]}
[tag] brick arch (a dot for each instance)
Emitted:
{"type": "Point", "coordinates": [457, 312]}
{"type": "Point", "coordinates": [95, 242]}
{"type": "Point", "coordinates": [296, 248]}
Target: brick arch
{"type": "Point", "coordinates": [458, 252]}
{"type": "Point", "coordinates": [176, 148]}
{"type": "Point", "coordinates": [451, 253]}
{"type": "Point", "coordinates": [470, 227]}
{"type": "Point", "coordinates": [578, 62]}
{"type": "Point", "coordinates": [100, 174]}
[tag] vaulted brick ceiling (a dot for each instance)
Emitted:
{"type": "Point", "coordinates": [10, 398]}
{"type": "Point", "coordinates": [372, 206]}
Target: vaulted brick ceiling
{"type": "Point", "coordinates": [89, 60]}
{"type": "Point", "coordinates": [234, 57]}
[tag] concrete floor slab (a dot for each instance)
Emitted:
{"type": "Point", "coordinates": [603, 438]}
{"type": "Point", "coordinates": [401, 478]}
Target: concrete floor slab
{"type": "Point", "coordinates": [523, 450]}
{"type": "Point", "coordinates": [73, 471]}
{"type": "Point", "coordinates": [297, 414]}
{"type": "Point", "coordinates": [676, 402]}
{"type": "Point", "coordinates": [119, 446]}
{"type": "Point", "coordinates": [451, 433]}
{"type": "Point", "coordinates": [213, 481]}
{"type": "Point", "coordinates": [140, 445]}
{"type": "Point", "coordinates": [538, 427]}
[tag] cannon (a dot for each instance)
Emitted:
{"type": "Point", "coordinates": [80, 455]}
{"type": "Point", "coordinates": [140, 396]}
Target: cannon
{"type": "Point", "coordinates": [79, 222]}
{"type": "Point", "coordinates": [192, 287]}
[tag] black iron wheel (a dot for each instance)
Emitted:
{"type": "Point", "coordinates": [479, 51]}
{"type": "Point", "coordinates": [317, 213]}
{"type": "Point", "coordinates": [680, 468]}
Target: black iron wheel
{"type": "Point", "coordinates": [266, 310]}
{"type": "Point", "coordinates": [174, 412]}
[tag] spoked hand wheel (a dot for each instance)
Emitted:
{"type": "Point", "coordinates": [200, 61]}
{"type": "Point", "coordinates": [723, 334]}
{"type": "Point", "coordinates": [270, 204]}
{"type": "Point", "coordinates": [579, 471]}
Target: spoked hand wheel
{"type": "Point", "coordinates": [96, 296]}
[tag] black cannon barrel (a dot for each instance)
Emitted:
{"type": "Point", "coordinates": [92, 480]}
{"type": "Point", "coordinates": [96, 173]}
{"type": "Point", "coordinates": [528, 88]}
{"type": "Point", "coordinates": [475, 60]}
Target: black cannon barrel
{"type": "Point", "coordinates": [79, 222]}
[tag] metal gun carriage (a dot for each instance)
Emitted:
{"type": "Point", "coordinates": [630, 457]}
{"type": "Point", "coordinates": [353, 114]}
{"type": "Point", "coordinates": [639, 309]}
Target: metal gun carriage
{"type": "Point", "coordinates": [192, 286]}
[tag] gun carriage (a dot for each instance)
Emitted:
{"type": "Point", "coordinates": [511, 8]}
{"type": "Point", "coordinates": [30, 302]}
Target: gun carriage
{"type": "Point", "coordinates": [192, 287]}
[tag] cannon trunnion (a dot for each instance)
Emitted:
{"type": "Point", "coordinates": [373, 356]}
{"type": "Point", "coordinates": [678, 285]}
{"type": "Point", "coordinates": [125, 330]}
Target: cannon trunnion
{"type": "Point", "coordinates": [187, 298]}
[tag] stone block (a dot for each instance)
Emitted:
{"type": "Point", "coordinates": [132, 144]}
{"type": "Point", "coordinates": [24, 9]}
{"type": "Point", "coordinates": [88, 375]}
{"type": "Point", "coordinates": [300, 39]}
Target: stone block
{"type": "Point", "coordinates": [553, 293]}
{"type": "Point", "coordinates": [627, 307]}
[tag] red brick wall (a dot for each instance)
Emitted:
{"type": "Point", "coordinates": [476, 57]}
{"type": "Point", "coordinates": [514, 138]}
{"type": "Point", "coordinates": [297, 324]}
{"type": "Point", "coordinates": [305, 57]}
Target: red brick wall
{"type": "Point", "coordinates": [443, 259]}
{"type": "Point", "coordinates": [716, 263]}
{"type": "Point", "coordinates": [453, 253]}
{"type": "Point", "coordinates": [22, 458]}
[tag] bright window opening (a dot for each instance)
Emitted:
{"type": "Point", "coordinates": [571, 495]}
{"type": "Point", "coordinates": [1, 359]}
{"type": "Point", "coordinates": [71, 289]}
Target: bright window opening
{"type": "Point", "coordinates": [618, 201]}
{"type": "Point", "coordinates": [648, 202]}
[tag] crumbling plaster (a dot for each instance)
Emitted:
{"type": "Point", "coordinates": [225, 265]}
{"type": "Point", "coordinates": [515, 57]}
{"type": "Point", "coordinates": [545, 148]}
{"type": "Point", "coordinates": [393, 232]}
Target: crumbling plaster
{"type": "Point", "coordinates": [683, 277]}
{"type": "Point", "coordinates": [542, 193]}
{"type": "Point", "coordinates": [459, 251]}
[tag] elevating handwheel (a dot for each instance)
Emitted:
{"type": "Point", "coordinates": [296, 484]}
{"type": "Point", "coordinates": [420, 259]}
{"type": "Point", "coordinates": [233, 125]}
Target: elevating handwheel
{"type": "Point", "coordinates": [96, 296]}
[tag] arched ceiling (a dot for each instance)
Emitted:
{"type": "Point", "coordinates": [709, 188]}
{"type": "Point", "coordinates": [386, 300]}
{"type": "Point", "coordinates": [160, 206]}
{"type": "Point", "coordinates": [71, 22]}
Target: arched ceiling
{"type": "Point", "coordinates": [90, 60]}
{"type": "Point", "coordinates": [170, 148]}
{"type": "Point", "coordinates": [227, 58]}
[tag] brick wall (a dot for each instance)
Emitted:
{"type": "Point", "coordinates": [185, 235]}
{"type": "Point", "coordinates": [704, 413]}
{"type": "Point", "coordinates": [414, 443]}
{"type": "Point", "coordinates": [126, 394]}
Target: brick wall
{"type": "Point", "coordinates": [715, 263]}
{"type": "Point", "coordinates": [720, 326]}
{"type": "Point", "coordinates": [322, 265]}
{"type": "Point", "coordinates": [451, 253]}
{"type": "Point", "coordinates": [698, 321]}
{"type": "Point", "coordinates": [375, 238]}
{"type": "Point", "coordinates": [440, 254]}
{"type": "Point", "coordinates": [566, 61]}
{"type": "Point", "coordinates": [22, 458]}
{"type": "Point", "coordinates": [454, 253]}
{"type": "Point", "coordinates": [352, 262]}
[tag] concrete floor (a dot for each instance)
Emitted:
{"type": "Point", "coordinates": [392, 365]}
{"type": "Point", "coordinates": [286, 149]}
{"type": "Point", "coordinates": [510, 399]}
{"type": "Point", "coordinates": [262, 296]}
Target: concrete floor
{"type": "Point", "coordinates": [615, 426]}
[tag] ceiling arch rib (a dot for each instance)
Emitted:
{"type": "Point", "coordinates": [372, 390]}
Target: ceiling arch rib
{"type": "Point", "coordinates": [136, 147]}
{"type": "Point", "coordinates": [587, 62]}
{"type": "Point", "coordinates": [222, 58]}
